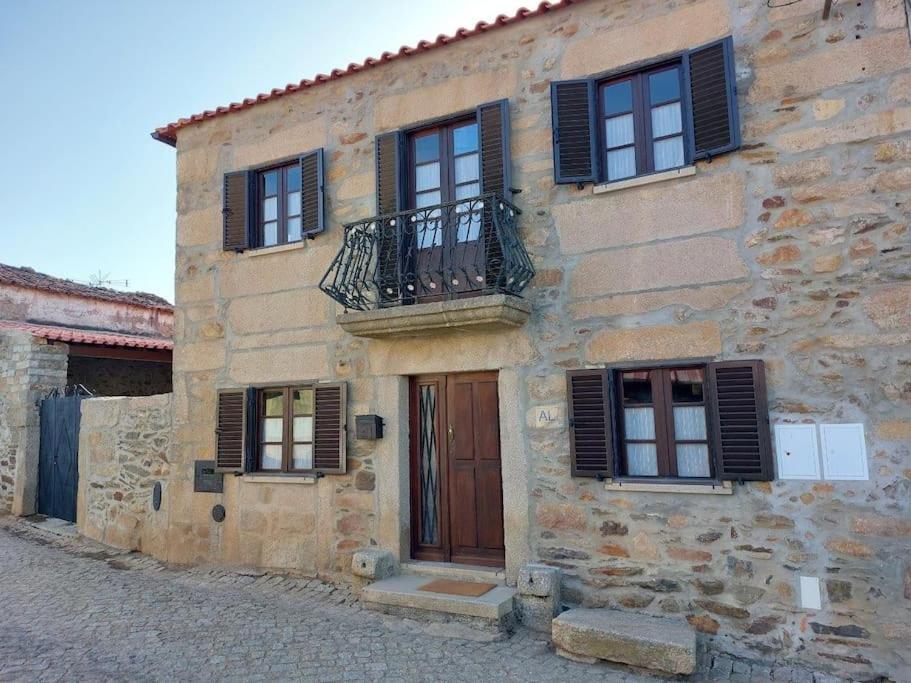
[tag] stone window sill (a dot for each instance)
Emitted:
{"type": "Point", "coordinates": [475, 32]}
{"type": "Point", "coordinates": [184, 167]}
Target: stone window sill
{"type": "Point", "coordinates": [277, 249]}
{"type": "Point", "coordinates": [644, 180]}
{"type": "Point", "coordinates": [724, 488]}
{"type": "Point", "coordinates": [254, 478]}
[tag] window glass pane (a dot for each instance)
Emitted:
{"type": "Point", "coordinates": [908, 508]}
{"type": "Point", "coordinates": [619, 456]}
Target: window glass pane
{"type": "Point", "coordinates": [637, 387]}
{"type": "Point", "coordinates": [666, 120]}
{"type": "Point", "coordinates": [427, 177]}
{"type": "Point", "coordinates": [621, 163]}
{"type": "Point", "coordinates": [668, 153]}
{"type": "Point", "coordinates": [303, 401]}
{"type": "Point", "coordinates": [689, 423]}
{"type": "Point", "coordinates": [639, 423]}
{"type": "Point", "coordinates": [427, 199]}
{"type": "Point", "coordinates": [642, 460]}
{"type": "Point", "coordinates": [469, 228]}
{"type": "Point", "coordinates": [294, 229]}
{"type": "Point", "coordinates": [466, 168]}
{"type": "Point", "coordinates": [293, 180]}
{"type": "Point", "coordinates": [664, 86]}
{"type": "Point", "coordinates": [430, 234]}
{"type": "Point", "coordinates": [270, 234]}
{"type": "Point", "coordinates": [427, 148]}
{"type": "Point", "coordinates": [270, 208]}
{"type": "Point", "coordinates": [465, 139]}
{"type": "Point", "coordinates": [275, 403]}
{"type": "Point", "coordinates": [303, 456]}
{"type": "Point", "coordinates": [271, 457]}
{"type": "Point", "coordinates": [468, 191]}
{"type": "Point", "coordinates": [693, 460]}
{"type": "Point", "coordinates": [272, 429]}
{"type": "Point", "coordinates": [618, 98]}
{"type": "Point", "coordinates": [619, 130]}
{"type": "Point", "coordinates": [270, 183]}
{"type": "Point", "coordinates": [303, 428]}
{"type": "Point", "coordinates": [686, 385]}
{"type": "Point", "coordinates": [294, 203]}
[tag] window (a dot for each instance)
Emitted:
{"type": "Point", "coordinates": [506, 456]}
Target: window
{"type": "Point", "coordinates": [279, 205]}
{"type": "Point", "coordinates": [663, 427]}
{"type": "Point", "coordinates": [642, 129]}
{"type": "Point", "coordinates": [285, 429]}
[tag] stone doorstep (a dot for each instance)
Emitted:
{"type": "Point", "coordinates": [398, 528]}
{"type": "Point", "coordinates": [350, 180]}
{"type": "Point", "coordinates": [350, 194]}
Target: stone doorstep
{"type": "Point", "coordinates": [402, 591]}
{"type": "Point", "coordinates": [639, 640]}
{"type": "Point", "coordinates": [450, 570]}
{"type": "Point", "coordinates": [479, 312]}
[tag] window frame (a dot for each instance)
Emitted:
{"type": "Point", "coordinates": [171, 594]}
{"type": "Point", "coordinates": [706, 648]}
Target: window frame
{"type": "Point", "coordinates": [447, 157]}
{"type": "Point", "coordinates": [643, 142]}
{"type": "Point", "coordinates": [288, 415]}
{"type": "Point", "coordinates": [282, 216]}
{"type": "Point", "coordinates": [665, 440]}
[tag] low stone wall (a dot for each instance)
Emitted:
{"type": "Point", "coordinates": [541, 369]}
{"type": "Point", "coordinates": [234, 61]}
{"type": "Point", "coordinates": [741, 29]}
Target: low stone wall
{"type": "Point", "coordinates": [124, 448]}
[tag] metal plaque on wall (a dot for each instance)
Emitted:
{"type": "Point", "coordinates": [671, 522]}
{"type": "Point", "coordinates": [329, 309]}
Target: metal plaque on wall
{"type": "Point", "coordinates": [206, 479]}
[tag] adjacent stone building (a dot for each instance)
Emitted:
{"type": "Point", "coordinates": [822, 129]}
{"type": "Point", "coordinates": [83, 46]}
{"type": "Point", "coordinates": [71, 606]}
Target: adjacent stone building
{"type": "Point", "coordinates": [624, 286]}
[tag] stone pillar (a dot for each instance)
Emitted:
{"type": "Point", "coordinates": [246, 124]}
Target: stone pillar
{"type": "Point", "coordinates": [539, 597]}
{"type": "Point", "coordinates": [514, 466]}
{"type": "Point", "coordinates": [391, 457]}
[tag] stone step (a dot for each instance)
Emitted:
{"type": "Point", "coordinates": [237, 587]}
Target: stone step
{"type": "Point", "coordinates": [641, 640]}
{"type": "Point", "coordinates": [459, 572]}
{"type": "Point", "coordinates": [401, 596]}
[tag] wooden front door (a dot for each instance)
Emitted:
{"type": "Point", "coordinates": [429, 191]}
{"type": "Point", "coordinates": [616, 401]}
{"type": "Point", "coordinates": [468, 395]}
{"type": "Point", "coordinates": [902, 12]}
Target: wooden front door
{"type": "Point", "coordinates": [456, 482]}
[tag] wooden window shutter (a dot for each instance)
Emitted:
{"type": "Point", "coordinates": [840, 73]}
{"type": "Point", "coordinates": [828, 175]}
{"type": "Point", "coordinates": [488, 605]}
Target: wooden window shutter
{"type": "Point", "coordinates": [313, 207]}
{"type": "Point", "coordinates": [712, 89]}
{"type": "Point", "coordinates": [230, 431]}
{"type": "Point", "coordinates": [590, 426]}
{"type": "Point", "coordinates": [574, 130]}
{"type": "Point", "coordinates": [496, 164]}
{"type": "Point", "coordinates": [329, 427]}
{"type": "Point", "coordinates": [390, 149]}
{"type": "Point", "coordinates": [740, 420]}
{"type": "Point", "coordinates": [237, 210]}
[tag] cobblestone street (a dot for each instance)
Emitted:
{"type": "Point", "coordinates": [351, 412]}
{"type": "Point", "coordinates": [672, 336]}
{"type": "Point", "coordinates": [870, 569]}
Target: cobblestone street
{"type": "Point", "coordinates": [74, 611]}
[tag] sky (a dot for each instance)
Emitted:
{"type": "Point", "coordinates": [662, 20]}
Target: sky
{"type": "Point", "coordinates": [84, 190]}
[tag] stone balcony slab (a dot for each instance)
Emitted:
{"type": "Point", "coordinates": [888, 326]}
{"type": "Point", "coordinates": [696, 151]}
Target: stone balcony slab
{"type": "Point", "coordinates": [495, 311]}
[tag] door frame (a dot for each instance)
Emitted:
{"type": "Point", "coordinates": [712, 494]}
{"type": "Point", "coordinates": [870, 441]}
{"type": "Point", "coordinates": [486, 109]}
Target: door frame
{"type": "Point", "coordinates": [443, 550]}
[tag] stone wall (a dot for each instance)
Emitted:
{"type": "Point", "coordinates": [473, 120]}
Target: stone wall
{"type": "Point", "coordinates": [118, 377]}
{"type": "Point", "coordinates": [124, 448]}
{"type": "Point", "coordinates": [29, 369]}
{"type": "Point", "coordinates": [793, 250]}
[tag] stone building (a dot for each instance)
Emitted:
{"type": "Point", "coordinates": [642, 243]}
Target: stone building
{"type": "Point", "coordinates": [622, 285]}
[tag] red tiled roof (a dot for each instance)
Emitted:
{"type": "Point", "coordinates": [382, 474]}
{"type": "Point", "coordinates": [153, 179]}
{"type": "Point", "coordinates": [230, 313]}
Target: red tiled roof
{"type": "Point", "coordinates": [98, 337]}
{"type": "Point", "coordinates": [168, 133]}
{"type": "Point", "coordinates": [27, 277]}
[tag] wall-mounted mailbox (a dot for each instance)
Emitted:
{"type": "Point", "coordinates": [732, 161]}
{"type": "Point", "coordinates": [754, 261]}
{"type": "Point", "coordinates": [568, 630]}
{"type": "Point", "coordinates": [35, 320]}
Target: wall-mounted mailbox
{"type": "Point", "coordinates": [368, 427]}
{"type": "Point", "coordinates": [206, 479]}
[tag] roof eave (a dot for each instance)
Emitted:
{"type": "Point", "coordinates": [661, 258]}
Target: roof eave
{"type": "Point", "coordinates": [165, 136]}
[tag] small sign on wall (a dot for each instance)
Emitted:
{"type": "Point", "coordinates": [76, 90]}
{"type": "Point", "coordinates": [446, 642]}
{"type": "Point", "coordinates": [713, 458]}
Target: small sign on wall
{"type": "Point", "coordinates": [796, 453]}
{"type": "Point", "coordinates": [844, 452]}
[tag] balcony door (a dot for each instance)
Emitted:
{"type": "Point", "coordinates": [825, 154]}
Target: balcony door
{"type": "Point", "coordinates": [447, 251]}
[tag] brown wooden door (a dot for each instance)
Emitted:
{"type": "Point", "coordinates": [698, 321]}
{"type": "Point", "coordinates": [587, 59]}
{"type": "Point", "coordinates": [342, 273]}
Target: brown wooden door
{"type": "Point", "coordinates": [456, 481]}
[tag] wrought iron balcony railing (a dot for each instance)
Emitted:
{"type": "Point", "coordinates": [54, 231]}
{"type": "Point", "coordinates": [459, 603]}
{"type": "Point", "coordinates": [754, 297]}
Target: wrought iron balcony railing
{"type": "Point", "coordinates": [464, 248]}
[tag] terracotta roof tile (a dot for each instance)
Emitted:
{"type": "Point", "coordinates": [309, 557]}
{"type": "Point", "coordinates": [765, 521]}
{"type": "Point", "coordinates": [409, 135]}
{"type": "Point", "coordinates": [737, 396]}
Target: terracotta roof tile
{"type": "Point", "coordinates": [27, 277]}
{"type": "Point", "coordinates": [99, 337]}
{"type": "Point", "coordinates": [168, 133]}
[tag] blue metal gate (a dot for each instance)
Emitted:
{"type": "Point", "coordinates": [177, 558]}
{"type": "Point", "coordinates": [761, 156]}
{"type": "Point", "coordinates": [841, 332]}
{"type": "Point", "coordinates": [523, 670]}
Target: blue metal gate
{"type": "Point", "coordinates": [58, 455]}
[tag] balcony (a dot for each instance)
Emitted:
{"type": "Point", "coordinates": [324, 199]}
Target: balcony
{"type": "Point", "coordinates": [450, 266]}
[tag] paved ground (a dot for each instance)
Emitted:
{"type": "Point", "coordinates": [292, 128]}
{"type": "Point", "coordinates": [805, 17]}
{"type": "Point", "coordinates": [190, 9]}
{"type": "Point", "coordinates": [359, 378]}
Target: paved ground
{"type": "Point", "coordinates": [75, 611]}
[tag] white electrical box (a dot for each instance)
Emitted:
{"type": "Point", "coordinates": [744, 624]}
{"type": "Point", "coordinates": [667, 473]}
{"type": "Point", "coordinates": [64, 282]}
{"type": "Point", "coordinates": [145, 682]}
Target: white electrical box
{"type": "Point", "coordinates": [796, 452]}
{"type": "Point", "coordinates": [844, 452]}
{"type": "Point", "coordinates": [810, 597]}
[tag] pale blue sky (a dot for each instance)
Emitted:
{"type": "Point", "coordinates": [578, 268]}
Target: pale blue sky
{"type": "Point", "coordinates": [83, 187]}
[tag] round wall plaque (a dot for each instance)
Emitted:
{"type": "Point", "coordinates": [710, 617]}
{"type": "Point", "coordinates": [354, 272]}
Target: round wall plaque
{"type": "Point", "coordinates": [156, 496]}
{"type": "Point", "coordinates": [218, 513]}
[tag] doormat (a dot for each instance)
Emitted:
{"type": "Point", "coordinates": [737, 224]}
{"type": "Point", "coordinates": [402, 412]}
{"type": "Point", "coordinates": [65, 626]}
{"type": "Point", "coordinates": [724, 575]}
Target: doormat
{"type": "Point", "coordinates": [468, 589]}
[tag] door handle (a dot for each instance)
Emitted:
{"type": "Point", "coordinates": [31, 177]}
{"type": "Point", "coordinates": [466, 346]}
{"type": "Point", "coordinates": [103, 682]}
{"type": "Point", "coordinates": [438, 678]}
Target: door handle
{"type": "Point", "coordinates": [451, 433]}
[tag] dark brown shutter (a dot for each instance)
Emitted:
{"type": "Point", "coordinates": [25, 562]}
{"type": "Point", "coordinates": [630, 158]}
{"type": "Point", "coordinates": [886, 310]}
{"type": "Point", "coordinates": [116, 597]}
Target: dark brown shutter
{"type": "Point", "coordinates": [313, 209]}
{"type": "Point", "coordinates": [740, 421]}
{"type": "Point", "coordinates": [229, 431]}
{"type": "Point", "coordinates": [236, 210]}
{"type": "Point", "coordinates": [496, 167]}
{"type": "Point", "coordinates": [714, 120]}
{"type": "Point", "coordinates": [590, 432]}
{"type": "Point", "coordinates": [390, 152]}
{"type": "Point", "coordinates": [329, 427]}
{"type": "Point", "coordinates": [574, 129]}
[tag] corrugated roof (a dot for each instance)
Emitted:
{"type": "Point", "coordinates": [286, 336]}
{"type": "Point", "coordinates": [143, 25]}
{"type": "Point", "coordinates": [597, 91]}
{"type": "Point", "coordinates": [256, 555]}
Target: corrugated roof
{"type": "Point", "coordinates": [168, 133]}
{"type": "Point", "coordinates": [97, 337]}
{"type": "Point", "coordinates": [32, 279]}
